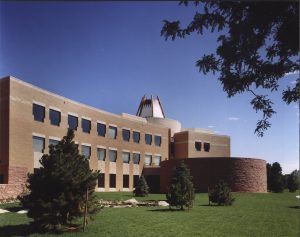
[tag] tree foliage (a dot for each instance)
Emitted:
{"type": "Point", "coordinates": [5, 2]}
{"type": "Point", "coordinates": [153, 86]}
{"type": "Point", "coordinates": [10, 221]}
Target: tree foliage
{"type": "Point", "coordinates": [221, 194]}
{"type": "Point", "coordinates": [258, 45]}
{"type": "Point", "coordinates": [58, 188]}
{"type": "Point", "coordinates": [293, 181]}
{"type": "Point", "coordinates": [181, 190]}
{"type": "Point", "coordinates": [142, 188]}
{"type": "Point", "coordinates": [275, 179]}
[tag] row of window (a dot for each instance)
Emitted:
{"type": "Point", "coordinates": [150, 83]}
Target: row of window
{"type": "Point", "coordinates": [206, 146]}
{"type": "Point", "coordinates": [112, 180]}
{"type": "Point", "coordinates": [39, 146]}
{"type": "Point", "coordinates": [55, 119]}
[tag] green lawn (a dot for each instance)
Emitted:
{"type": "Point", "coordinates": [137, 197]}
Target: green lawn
{"type": "Point", "coordinates": [251, 215]}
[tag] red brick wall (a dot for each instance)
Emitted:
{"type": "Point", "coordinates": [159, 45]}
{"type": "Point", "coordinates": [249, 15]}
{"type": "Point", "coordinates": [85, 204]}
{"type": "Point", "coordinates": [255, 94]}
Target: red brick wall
{"type": "Point", "coordinates": [17, 175]}
{"type": "Point", "coordinates": [242, 174]}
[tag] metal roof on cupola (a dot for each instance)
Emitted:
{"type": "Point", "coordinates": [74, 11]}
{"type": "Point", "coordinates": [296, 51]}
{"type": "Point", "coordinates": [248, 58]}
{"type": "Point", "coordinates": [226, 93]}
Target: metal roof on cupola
{"type": "Point", "coordinates": [150, 108]}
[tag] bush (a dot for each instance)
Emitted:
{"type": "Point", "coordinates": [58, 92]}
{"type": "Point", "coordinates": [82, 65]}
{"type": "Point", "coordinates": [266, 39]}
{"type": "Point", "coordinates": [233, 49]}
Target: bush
{"type": "Point", "coordinates": [221, 194]}
{"type": "Point", "coordinates": [181, 191]}
{"type": "Point", "coordinates": [142, 188]}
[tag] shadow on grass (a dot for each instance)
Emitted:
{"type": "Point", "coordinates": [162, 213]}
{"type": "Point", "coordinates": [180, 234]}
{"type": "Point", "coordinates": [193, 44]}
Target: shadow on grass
{"type": "Point", "coordinates": [14, 209]}
{"type": "Point", "coordinates": [295, 207]}
{"type": "Point", "coordinates": [18, 230]}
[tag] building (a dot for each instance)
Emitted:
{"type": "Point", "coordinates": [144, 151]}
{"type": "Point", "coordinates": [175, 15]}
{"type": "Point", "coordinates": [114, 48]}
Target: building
{"type": "Point", "coordinates": [122, 146]}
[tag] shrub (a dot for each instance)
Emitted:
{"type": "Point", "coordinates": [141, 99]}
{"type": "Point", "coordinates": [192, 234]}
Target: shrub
{"type": "Point", "coordinates": [221, 194]}
{"type": "Point", "coordinates": [142, 188]}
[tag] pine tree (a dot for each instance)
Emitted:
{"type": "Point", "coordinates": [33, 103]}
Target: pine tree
{"type": "Point", "coordinates": [276, 178]}
{"type": "Point", "coordinates": [58, 187]}
{"type": "Point", "coordinates": [142, 188]}
{"type": "Point", "coordinates": [221, 194]}
{"type": "Point", "coordinates": [293, 181]}
{"type": "Point", "coordinates": [181, 190]}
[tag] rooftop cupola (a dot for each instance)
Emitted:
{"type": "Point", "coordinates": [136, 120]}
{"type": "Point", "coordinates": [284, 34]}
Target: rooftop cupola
{"type": "Point", "coordinates": [150, 108]}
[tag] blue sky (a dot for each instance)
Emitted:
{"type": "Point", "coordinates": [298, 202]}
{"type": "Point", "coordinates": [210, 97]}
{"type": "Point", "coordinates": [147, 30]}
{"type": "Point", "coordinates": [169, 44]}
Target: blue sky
{"type": "Point", "coordinates": [109, 54]}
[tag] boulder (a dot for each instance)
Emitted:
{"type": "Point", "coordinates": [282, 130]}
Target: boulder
{"type": "Point", "coordinates": [163, 204]}
{"type": "Point", "coordinates": [131, 201]}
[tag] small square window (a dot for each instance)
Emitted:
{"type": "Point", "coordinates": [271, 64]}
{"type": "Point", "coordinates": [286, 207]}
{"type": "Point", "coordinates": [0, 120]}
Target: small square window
{"type": "Point", "coordinates": [136, 137]}
{"type": "Point", "coordinates": [101, 153]}
{"type": "Point", "coordinates": [126, 157]}
{"type": "Point", "coordinates": [54, 117]}
{"type": "Point", "coordinates": [198, 146]}
{"type": "Point", "coordinates": [148, 159]}
{"type": "Point", "coordinates": [38, 112]}
{"type": "Point", "coordinates": [101, 180]}
{"type": "Point", "coordinates": [112, 131]}
{"type": "Point", "coordinates": [86, 125]}
{"type": "Point", "coordinates": [101, 129]}
{"type": "Point", "coordinates": [86, 151]}
{"type": "Point", "coordinates": [126, 135]}
{"type": "Point", "coordinates": [112, 155]}
{"type": "Point", "coordinates": [206, 146]}
{"type": "Point", "coordinates": [112, 180]}
{"type": "Point", "coordinates": [148, 139]}
{"type": "Point", "coordinates": [136, 158]}
{"type": "Point", "coordinates": [157, 140]}
{"type": "Point", "coordinates": [73, 122]}
{"type": "Point", "coordinates": [125, 181]}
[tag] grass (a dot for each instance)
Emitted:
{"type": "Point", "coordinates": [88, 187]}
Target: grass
{"type": "Point", "coordinates": [251, 215]}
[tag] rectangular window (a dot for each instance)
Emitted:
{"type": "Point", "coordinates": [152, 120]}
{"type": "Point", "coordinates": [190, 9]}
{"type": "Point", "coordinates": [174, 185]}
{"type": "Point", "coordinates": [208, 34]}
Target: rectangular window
{"type": "Point", "coordinates": [101, 153]}
{"type": "Point", "coordinates": [198, 146]}
{"type": "Point", "coordinates": [101, 180]}
{"type": "Point", "coordinates": [112, 155]}
{"type": "Point", "coordinates": [86, 151]}
{"type": "Point", "coordinates": [126, 157]}
{"type": "Point", "coordinates": [53, 142]}
{"type": "Point", "coordinates": [86, 125]}
{"type": "Point", "coordinates": [136, 158]}
{"type": "Point", "coordinates": [101, 129]}
{"type": "Point", "coordinates": [157, 140]}
{"type": "Point", "coordinates": [135, 180]}
{"type": "Point", "coordinates": [206, 146]}
{"type": "Point", "coordinates": [112, 180]}
{"type": "Point", "coordinates": [156, 160]}
{"type": "Point", "coordinates": [73, 122]}
{"type": "Point", "coordinates": [148, 139]}
{"type": "Point", "coordinates": [136, 137]}
{"type": "Point", "coordinates": [1, 179]}
{"type": "Point", "coordinates": [148, 159]}
{"type": "Point", "coordinates": [54, 117]}
{"type": "Point", "coordinates": [125, 181]}
{"type": "Point", "coordinates": [38, 112]}
{"type": "Point", "coordinates": [38, 144]}
{"type": "Point", "coordinates": [112, 132]}
{"type": "Point", "coordinates": [126, 135]}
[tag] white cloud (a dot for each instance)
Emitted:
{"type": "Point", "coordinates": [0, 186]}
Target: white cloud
{"type": "Point", "coordinates": [233, 118]}
{"type": "Point", "coordinates": [293, 82]}
{"type": "Point", "coordinates": [292, 73]}
{"type": "Point", "coordinates": [211, 126]}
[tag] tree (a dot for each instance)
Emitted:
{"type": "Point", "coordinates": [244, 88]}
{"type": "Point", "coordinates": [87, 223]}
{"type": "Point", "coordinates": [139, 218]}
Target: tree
{"type": "Point", "coordinates": [181, 190]}
{"type": "Point", "coordinates": [221, 194]}
{"type": "Point", "coordinates": [275, 178]}
{"type": "Point", "coordinates": [293, 181]}
{"type": "Point", "coordinates": [58, 187]}
{"type": "Point", "coordinates": [142, 188]}
{"type": "Point", "coordinates": [258, 45]}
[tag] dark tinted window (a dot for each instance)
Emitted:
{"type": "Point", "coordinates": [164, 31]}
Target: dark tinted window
{"type": "Point", "coordinates": [54, 117]}
{"type": "Point", "coordinates": [86, 125]}
{"type": "Point", "coordinates": [198, 146]}
{"type": "Point", "coordinates": [136, 137]}
{"type": "Point", "coordinates": [1, 179]}
{"type": "Point", "coordinates": [136, 158]}
{"type": "Point", "coordinates": [73, 122]}
{"type": "Point", "coordinates": [148, 139]}
{"type": "Point", "coordinates": [125, 181]}
{"type": "Point", "coordinates": [112, 180]}
{"type": "Point", "coordinates": [126, 134]}
{"type": "Point", "coordinates": [101, 180]}
{"type": "Point", "coordinates": [157, 140]}
{"type": "Point", "coordinates": [135, 180]}
{"type": "Point", "coordinates": [38, 112]}
{"type": "Point", "coordinates": [101, 129]}
{"type": "Point", "coordinates": [206, 146]}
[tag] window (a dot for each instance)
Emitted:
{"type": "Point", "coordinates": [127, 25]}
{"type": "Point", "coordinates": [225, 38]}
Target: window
{"type": "Point", "coordinates": [53, 142]}
{"type": "Point", "coordinates": [73, 122]}
{"type": "Point", "coordinates": [206, 146]}
{"type": "Point", "coordinates": [86, 125]}
{"type": "Point", "coordinates": [136, 137]}
{"type": "Point", "coordinates": [148, 139]}
{"type": "Point", "coordinates": [112, 132]}
{"type": "Point", "coordinates": [126, 157]}
{"type": "Point", "coordinates": [101, 153]}
{"type": "Point", "coordinates": [1, 179]}
{"type": "Point", "coordinates": [38, 112]}
{"type": "Point", "coordinates": [86, 151]}
{"type": "Point", "coordinates": [54, 117]}
{"type": "Point", "coordinates": [101, 180]}
{"type": "Point", "coordinates": [198, 146]}
{"type": "Point", "coordinates": [101, 129]}
{"type": "Point", "coordinates": [112, 155]}
{"type": "Point", "coordinates": [112, 180]}
{"type": "Point", "coordinates": [148, 159]}
{"type": "Point", "coordinates": [126, 134]}
{"type": "Point", "coordinates": [156, 160]}
{"type": "Point", "coordinates": [125, 181]}
{"type": "Point", "coordinates": [136, 158]}
{"type": "Point", "coordinates": [38, 144]}
{"type": "Point", "coordinates": [157, 140]}
{"type": "Point", "coordinates": [135, 180]}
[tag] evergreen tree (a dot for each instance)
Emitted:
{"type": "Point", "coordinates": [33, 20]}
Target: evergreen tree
{"type": "Point", "coordinates": [142, 188]}
{"type": "Point", "coordinates": [221, 194]}
{"type": "Point", "coordinates": [293, 181]}
{"type": "Point", "coordinates": [181, 191]}
{"type": "Point", "coordinates": [268, 176]}
{"type": "Point", "coordinates": [58, 188]}
{"type": "Point", "coordinates": [276, 178]}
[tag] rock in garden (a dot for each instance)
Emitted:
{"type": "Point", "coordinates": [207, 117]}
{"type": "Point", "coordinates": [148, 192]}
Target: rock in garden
{"type": "Point", "coordinates": [163, 204]}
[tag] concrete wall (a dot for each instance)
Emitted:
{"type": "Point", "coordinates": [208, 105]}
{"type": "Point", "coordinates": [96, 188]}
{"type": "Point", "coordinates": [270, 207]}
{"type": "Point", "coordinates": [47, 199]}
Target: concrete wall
{"type": "Point", "coordinates": [242, 174]}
